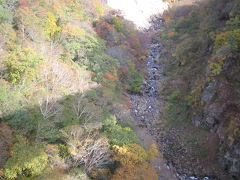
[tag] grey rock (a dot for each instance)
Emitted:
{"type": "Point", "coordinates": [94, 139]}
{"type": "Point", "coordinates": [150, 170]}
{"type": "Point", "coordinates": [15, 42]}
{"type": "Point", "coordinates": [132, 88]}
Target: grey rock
{"type": "Point", "coordinates": [196, 119]}
{"type": "Point", "coordinates": [209, 92]}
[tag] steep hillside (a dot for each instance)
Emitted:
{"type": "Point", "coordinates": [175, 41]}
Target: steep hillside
{"type": "Point", "coordinates": [201, 65]}
{"type": "Point", "coordinates": [85, 95]}
{"type": "Point", "coordinates": [64, 66]}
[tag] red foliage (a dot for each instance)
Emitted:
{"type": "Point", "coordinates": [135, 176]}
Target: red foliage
{"type": "Point", "coordinates": [129, 104]}
{"type": "Point", "coordinates": [125, 69]}
{"type": "Point", "coordinates": [23, 3]}
{"type": "Point", "coordinates": [110, 76]}
{"type": "Point", "coordinates": [102, 29]}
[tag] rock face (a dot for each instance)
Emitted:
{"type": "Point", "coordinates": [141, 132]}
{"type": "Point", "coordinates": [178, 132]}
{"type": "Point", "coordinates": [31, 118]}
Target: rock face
{"type": "Point", "coordinates": [221, 113]}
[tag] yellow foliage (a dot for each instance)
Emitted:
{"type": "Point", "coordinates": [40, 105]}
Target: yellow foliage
{"type": "Point", "coordinates": [217, 66]}
{"type": "Point", "coordinates": [99, 8]}
{"type": "Point", "coordinates": [130, 153]}
{"type": "Point", "coordinates": [141, 171]}
{"type": "Point", "coordinates": [134, 163]}
{"type": "Point", "coordinates": [73, 30]}
{"type": "Point", "coordinates": [52, 29]}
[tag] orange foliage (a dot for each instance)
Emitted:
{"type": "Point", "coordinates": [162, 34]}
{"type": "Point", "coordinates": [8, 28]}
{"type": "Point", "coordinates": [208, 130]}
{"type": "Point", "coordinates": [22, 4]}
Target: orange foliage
{"type": "Point", "coordinates": [110, 76]}
{"type": "Point", "coordinates": [170, 34]}
{"type": "Point", "coordinates": [134, 163]}
{"type": "Point", "coordinates": [1, 173]}
{"type": "Point", "coordinates": [58, 8]}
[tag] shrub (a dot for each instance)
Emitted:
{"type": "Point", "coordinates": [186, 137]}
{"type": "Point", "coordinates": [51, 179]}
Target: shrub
{"type": "Point", "coordinates": [177, 111]}
{"type": "Point", "coordinates": [216, 67]}
{"type": "Point", "coordinates": [228, 38]}
{"type": "Point", "coordinates": [22, 63]}
{"type": "Point", "coordinates": [86, 147]}
{"type": "Point", "coordinates": [89, 51]}
{"type": "Point", "coordinates": [4, 14]}
{"type": "Point", "coordinates": [6, 93]}
{"type": "Point", "coordinates": [27, 160]}
{"type": "Point", "coordinates": [136, 81]}
{"type": "Point", "coordinates": [52, 28]}
{"type": "Point", "coordinates": [121, 136]}
{"type": "Point", "coordinates": [63, 151]}
{"type": "Point", "coordinates": [133, 163]}
{"type": "Point", "coordinates": [118, 24]}
{"type": "Point", "coordinates": [188, 24]}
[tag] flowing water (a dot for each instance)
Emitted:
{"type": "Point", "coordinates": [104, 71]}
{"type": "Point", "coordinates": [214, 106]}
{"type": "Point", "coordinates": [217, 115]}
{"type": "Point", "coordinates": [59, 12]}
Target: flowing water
{"type": "Point", "coordinates": [146, 110]}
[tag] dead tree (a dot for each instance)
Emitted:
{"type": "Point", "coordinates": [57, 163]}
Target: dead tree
{"type": "Point", "coordinates": [86, 148]}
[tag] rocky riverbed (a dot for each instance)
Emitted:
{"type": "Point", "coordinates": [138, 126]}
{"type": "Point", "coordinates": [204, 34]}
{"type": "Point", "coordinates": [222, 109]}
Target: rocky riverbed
{"type": "Point", "coordinates": [147, 107]}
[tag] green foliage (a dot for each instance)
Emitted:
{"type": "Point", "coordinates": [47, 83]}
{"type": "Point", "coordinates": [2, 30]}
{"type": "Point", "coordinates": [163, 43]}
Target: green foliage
{"type": "Point", "coordinates": [89, 51]}
{"type": "Point", "coordinates": [136, 81]}
{"type": "Point", "coordinates": [134, 162]}
{"type": "Point", "coordinates": [217, 66]}
{"type": "Point", "coordinates": [108, 119]}
{"type": "Point", "coordinates": [228, 38]}
{"type": "Point", "coordinates": [235, 22]}
{"type": "Point", "coordinates": [26, 160]}
{"type": "Point", "coordinates": [99, 9]}
{"type": "Point", "coordinates": [10, 99]}
{"type": "Point", "coordinates": [63, 151]}
{"type": "Point", "coordinates": [4, 14]}
{"type": "Point", "coordinates": [189, 24]}
{"type": "Point", "coordinates": [121, 136]}
{"type": "Point", "coordinates": [118, 24]}
{"type": "Point", "coordinates": [22, 63]}
{"type": "Point", "coordinates": [84, 46]}
{"type": "Point", "coordinates": [177, 111]}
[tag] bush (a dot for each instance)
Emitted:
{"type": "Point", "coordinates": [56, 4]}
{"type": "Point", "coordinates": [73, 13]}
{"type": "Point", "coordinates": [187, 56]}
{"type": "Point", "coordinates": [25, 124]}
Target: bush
{"type": "Point", "coordinates": [10, 100]}
{"type": "Point", "coordinates": [52, 28]}
{"type": "Point", "coordinates": [177, 111]}
{"type": "Point", "coordinates": [133, 163]}
{"type": "Point", "coordinates": [121, 136]}
{"type": "Point", "coordinates": [89, 51]}
{"type": "Point", "coordinates": [63, 151]}
{"type": "Point", "coordinates": [22, 63]}
{"type": "Point", "coordinates": [26, 160]}
{"type": "Point", "coordinates": [136, 81]}
{"type": "Point", "coordinates": [228, 38]}
{"type": "Point", "coordinates": [189, 24]}
{"type": "Point", "coordinates": [118, 24]}
{"type": "Point", "coordinates": [4, 14]}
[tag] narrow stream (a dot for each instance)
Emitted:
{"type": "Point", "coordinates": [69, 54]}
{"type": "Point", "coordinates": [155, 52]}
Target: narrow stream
{"type": "Point", "coordinates": [146, 106]}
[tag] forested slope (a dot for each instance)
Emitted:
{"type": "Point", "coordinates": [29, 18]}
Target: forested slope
{"type": "Point", "coordinates": [64, 66]}
{"type": "Point", "coordinates": [202, 67]}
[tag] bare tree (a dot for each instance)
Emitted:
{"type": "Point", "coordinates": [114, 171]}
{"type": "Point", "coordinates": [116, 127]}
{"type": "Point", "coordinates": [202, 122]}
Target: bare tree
{"type": "Point", "coordinates": [86, 147]}
{"type": "Point", "coordinates": [81, 109]}
{"type": "Point", "coordinates": [57, 76]}
{"type": "Point", "coordinates": [49, 107]}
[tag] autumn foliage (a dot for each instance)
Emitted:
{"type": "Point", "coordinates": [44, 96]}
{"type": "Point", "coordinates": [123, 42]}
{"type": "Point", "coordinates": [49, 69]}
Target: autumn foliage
{"type": "Point", "coordinates": [133, 163]}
